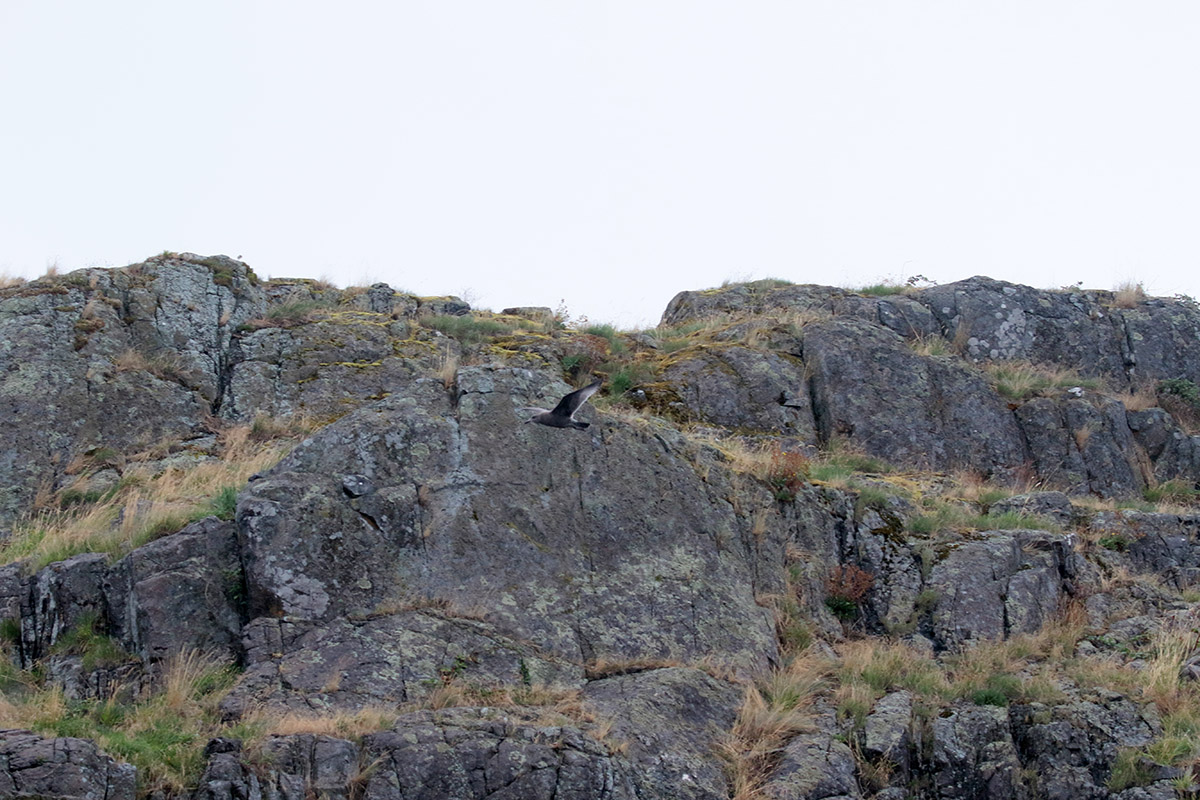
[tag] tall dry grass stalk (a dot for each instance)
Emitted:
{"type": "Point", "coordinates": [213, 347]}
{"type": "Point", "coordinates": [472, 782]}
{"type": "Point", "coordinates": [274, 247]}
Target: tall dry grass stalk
{"type": "Point", "coordinates": [773, 712]}
{"type": "Point", "coordinates": [1128, 294]}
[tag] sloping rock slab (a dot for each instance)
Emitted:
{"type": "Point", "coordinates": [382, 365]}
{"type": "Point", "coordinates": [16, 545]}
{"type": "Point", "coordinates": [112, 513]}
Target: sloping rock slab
{"type": "Point", "coordinates": [585, 546]}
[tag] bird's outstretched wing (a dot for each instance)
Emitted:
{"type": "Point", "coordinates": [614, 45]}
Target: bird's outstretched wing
{"type": "Point", "coordinates": [571, 403]}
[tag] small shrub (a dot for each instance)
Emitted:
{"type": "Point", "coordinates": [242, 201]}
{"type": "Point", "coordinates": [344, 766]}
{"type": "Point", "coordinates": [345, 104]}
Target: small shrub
{"type": "Point", "coordinates": [1115, 542]}
{"type": "Point", "coordinates": [786, 473]}
{"type": "Point", "coordinates": [845, 589]}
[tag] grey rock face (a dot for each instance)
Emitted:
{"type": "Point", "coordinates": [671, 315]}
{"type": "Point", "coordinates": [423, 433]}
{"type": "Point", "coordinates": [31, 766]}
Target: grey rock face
{"type": "Point", "coordinates": [974, 755]}
{"type": "Point", "coordinates": [67, 383]}
{"type": "Point", "coordinates": [870, 389]}
{"type": "Point", "coordinates": [815, 766]}
{"type": "Point", "coordinates": [1005, 582]}
{"type": "Point", "coordinates": [888, 732]}
{"type": "Point", "coordinates": [64, 769]}
{"type": "Point", "coordinates": [1072, 746]}
{"type": "Point", "coordinates": [1164, 544]}
{"type": "Point", "coordinates": [321, 369]}
{"type": "Point", "coordinates": [673, 720]}
{"type": "Point", "coordinates": [57, 599]}
{"type": "Point", "coordinates": [1077, 444]}
{"type": "Point", "coordinates": [177, 593]}
{"type": "Point", "coordinates": [744, 389]}
{"type": "Point", "coordinates": [612, 533]}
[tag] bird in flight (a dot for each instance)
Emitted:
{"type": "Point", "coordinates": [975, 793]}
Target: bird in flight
{"type": "Point", "coordinates": [563, 415]}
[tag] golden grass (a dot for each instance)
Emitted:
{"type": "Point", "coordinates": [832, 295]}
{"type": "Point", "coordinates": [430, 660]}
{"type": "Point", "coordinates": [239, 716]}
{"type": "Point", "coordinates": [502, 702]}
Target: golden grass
{"type": "Point", "coordinates": [447, 367]}
{"type": "Point", "coordinates": [1128, 294]}
{"type": "Point", "coordinates": [10, 281]}
{"type": "Point", "coordinates": [342, 724]}
{"type": "Point", "coordinates": [144, 505]}
{"type": "Point", "coordinates": [772, 712]}
{"type": "Point", "coordinates": [1138, 399]}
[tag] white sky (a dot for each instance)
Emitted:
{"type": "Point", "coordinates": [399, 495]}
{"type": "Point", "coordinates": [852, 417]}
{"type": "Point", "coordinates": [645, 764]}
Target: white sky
{"type": "Point", "coordinates": [607, 154]}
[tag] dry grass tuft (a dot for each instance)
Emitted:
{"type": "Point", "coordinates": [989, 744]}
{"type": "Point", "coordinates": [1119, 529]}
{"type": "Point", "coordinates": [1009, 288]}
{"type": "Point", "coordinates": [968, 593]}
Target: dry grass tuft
{"type": "Point", "coordinates": [771, 714]}
{"type": "Point", "coordinates": [147, 502]}
{"type": "Point", "coordinates": [1128, 294]}
{"type": "Point", "coordinates": [10, 281]}
{"type": "Point", "coordinates": [342, 724]}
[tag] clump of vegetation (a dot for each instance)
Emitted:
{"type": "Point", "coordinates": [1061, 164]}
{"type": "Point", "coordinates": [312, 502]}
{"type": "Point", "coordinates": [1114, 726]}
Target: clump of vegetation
{"type": "Point", "coordinates": [772, 712]}
{"type": "Point", "coordinates": [1181, 398]}
{"type": "Point", "coordinates": [1128, 294]}
{"type": "Point", "coordinates": [941, 516]}
{"type": "Point", "coordinates": [146, 504]}
{"type": "Point", "coordinates": [786, 473]}
{"type": "Point", "coordinates": [845, 589]}
{"type": "Point", "coordinates": [468, 328]}
{"type": "Point", "coordinates": [1020, 380]}
{"type": "Point", "coordinates": [1175, 491]}
{"type": "Point", "coordinates": [87, 640]}
{"type": "Point", "coordinates": [162, 734]}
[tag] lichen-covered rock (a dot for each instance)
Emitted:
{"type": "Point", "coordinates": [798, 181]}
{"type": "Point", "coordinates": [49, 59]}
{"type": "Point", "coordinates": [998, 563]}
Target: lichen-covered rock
{"type": "Point", "coordinates": [673, 721]}
{"type": "Point", "coordinates": [888, 733]}
{"type": "Point", "coordinates": [1084, 446]}
{"type": "Point", "coordinates": [597, 545]}
{"type": "Point", "coordinates": [1071, 746]}
{"type": "Point", "coordinates": [114, 359]}
{"type": "Point", "coordinates": [321, 369]}
{"type": "Point", "coordinates": [181, 592]}
{"type": "Point", "coordinates": [745, 389]}
{"type": "Point", "coordinates": [464, 754]}
{"type": "Point", "coordinates": [871, 390]}
{"type": "Point", "coordinates": [974, 755]}
{"type": "Point", "coordinates": [998, 584]}
{"type": "Point", "coordinates": [60, 769]}
{"type": "Point", "coordinates": [814, 766]}
{"type": "Point", "coordinates": [1165, 544]}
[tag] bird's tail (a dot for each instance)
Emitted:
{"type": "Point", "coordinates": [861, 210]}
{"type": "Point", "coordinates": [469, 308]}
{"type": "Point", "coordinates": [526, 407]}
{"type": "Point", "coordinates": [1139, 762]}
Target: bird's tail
{"type": "Point", "coordinates": [580, 426]}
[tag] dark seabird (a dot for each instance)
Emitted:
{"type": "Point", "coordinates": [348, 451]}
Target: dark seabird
{"type": "Point", "coordinates": [563, 414]}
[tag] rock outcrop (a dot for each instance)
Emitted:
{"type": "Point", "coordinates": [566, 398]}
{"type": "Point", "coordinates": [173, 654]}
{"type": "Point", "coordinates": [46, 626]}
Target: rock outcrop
{"type": "Point", "coordinates": [423, 552]}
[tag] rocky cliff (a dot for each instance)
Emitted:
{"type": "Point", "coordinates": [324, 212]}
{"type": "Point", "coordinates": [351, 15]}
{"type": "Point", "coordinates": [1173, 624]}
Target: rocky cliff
{"type": "Point", "coordinates": [816, 543]}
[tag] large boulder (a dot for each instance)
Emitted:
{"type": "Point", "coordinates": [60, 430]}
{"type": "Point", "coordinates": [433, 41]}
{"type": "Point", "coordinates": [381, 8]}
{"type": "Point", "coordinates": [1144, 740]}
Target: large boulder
{"type": "Point", "coordinates": [604, 545]}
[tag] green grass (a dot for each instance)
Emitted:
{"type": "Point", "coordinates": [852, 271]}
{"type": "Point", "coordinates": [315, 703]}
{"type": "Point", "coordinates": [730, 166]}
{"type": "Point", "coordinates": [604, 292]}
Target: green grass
{"type": "Point", "coordinates": [96, 649]}
{"type": "Point", "coordinates": [953, 517]}
{"type": "Point", "coordinates": [1020, 380]}
{"type": "Point", "coordinates": [610, 334]}
{"type": "Point", "coordinates": [467, 329]}
{"type": "Point", "coordinates": [880, 289]}
{"type": "Point", "coordinates": [1172, 491]}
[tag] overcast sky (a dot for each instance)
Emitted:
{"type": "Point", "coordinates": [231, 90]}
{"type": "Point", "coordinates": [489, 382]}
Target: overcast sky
{"type": "Point", "coordinates": [607, 154]}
